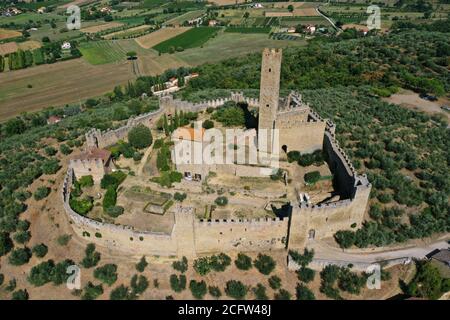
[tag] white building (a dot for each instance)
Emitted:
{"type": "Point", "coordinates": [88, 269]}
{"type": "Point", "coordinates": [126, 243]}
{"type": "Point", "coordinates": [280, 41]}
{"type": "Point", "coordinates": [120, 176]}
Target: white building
{"type": "Point", "coordinates": [66, 46]}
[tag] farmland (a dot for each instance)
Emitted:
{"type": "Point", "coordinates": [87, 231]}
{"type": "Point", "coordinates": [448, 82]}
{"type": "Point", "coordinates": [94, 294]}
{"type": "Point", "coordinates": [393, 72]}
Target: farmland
{"type": "Point", "coordinates": [185, 17]}
{"type": "Point", "coordinates": [102, 52]}
{"type": "Point", "coordinates": [231, 45]}
{"type": "Point", "coordinates": [10, 47]}
{"type": "Point", "coordinates": [154, 38]}
{"type": "Point", "coordinates": [192, 38]}
{"type": "Point", "coordinates": [101, 27]}
{"type": "Point", "coordinates": [8, 34]}
{"type": "Point", "coordinates": [57, 84]}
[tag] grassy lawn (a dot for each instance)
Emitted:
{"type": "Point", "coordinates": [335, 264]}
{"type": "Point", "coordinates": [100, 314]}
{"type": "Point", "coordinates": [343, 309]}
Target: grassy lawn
{"type": "Point", "coordinates": [192, 38]}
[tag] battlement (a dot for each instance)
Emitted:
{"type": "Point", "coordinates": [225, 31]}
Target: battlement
{"type": "Point", "coordinates": [247, 222]}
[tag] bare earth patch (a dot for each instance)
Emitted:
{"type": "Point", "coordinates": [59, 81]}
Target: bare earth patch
{"type": "Point", "coordinates": [411, 100]}
{"type": "Point", "coordinates": [7, 34]}
{"type": "Point", "coordinates": [101, 27]}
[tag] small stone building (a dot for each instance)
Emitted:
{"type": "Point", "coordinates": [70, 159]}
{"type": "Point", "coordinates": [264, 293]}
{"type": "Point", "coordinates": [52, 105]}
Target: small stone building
{"type": "Point", "coordinates": [94, 161]}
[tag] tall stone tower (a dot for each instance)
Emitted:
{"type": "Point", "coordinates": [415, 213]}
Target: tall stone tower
{"type": "Point", "coordinates": [269, 93]}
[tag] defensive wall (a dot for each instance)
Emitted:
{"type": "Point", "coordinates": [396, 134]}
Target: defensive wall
{"type": "Point", "coordinates": [190, 236]}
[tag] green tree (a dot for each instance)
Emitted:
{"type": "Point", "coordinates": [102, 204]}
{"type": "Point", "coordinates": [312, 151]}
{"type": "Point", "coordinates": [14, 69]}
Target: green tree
{"type": "Point", "coordinates": [427, 282]}
{"type": "Point", "coordinates": [40, 250]}
{"type": "Point", "coordinates": [306, 274]}
{"type": "Point", "coordinates": [139, 284]}
{"type": "Point", "coordinates": [120, 293]}
{"type": "Point", "coordinates": [181, 265]}
{"type": "Point", "coordinates": [236, 289]}
{"type": "Point", "coordinates": [6, 243]}
{"type": "Point", "coordinates": [260, 292]}
{"type": "Point", "coordinates": [214, 291]}
{"type": "Point", "coordinates": [243, 261]}
{"type": "Point", "coordinates": [19, 256]}
{"type": "Point", "coordinates": [198, 289]}
{"type": "Point", "coordinates": [91, 291]}
{"type": "Point", "coordinates": [282, 295]}
{"type": "Point", "coordinates": [264, 263]}
{"type": "Point", "coordinates": [275, 282]}
{"type": "Point", "coordinates": [140, 137]}
{"type": "Point", "coordinates": [20, 295]}
{"type": "Point", "coordinates": [107, 274]}
{"type": "Point", "coordinates": [178, 283]}
{"type": "Point", "coordinates": [304, 293]}
{"type": "Point", "coordinates": [141, 265]}
{"type": "Point", "coordinates": [91, 257]}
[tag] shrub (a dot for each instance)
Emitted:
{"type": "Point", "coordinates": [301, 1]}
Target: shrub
{"type": "Point", "coordinates": [221, 201]}
{"type": "Point", "coordinates": [230, 116]}
{"type": "Point", "coordinates": [6, 243]}
{"type": "Point", "coordinates": [243, 262]}
{"type": "Point", "coordinates": [91, 258]}
{"type": "Point", "coordinates": [41, 193]}
{"type": "Point", "coordinates": [112, 180]}
{"type": "Point", "coordinates": [91, 291]}
{"type": "Point", "coordinates": [302, 260]}
{"type": "Point", "coordinates": [140, 137]}
{"type": "Point", "coordinates": [208, 124]}
{"type": "Point", "coordinates": [304, 293]}
{"type": "Point", "coordinates": [138, 284]}
{"type": "Point", "coordinates": [50, 151]}
{"type": "Point", "coordinates": [110, 198]}
{"type": "Point", "coordinates": [265, 264]}
{"type": "Point", "coordinates": [306, 274]}
{"type": "Point", "coordinates": [275, 282]}
{"type": "Point", "coordinates": [198, 289]}
{"type": "Point", "coordinates": [180, 196]}
{"type": "Point", "coordinates": [64, 239]}
{"type": "Point", "coordinates": [260, 292]}
{"type": "Point", "coordinates": [282, 295]}
{"type": "Point", "coordinates": [114, 211]}
{"type": "Point", "coordinates": [19, 256]}
{"type": "Point", "coordinates": [214, 291]}
{"type": "Point", "coordinates": [22, 236]}
{"type": "Point", "coordinates": [86, 181]}
{"type": "Point", "coordinates": [141, 265]}
{"type": "Point", "coordinates": [107, 274]}
{"type": "Point", "coordinates": [217, 263]}
{"type": "Point", "coordinates": [178, 283]}
{"type": "Point", "coordinates": [20, 295]}
{"type": "Point", "coordinates": [312, 177]}
{"type": "Point", "coordinates": [345, 238]}
{"type": "Point", "coordinates": [236, 289]}
{"type": "Point", "coordinates": [81, 206]}
{"type": "Point", "coordinates": [119, 293]}
{"type": "Point", "coordinates": [23, 225]}
{"type": "Point", "coordinates": [65, 149]}
{"type": "Point", "coordinates": [181, 265]}
{"type": "Point", "coordinates": [137, 156]}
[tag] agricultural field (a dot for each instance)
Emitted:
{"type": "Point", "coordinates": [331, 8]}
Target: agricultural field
{"type": "Point", "coordinates": [185, 17]}
{"type": "Point", "coordinates": [57, 84]}
{"type": "Point", "coordinates": [8, 34]}
{"type": "Point", "coordinates": [230, 45]}
{"type": "Point", "coordinates": [11, 47]}
{"type": "Point", "coordinates": [103, 52]}
{"type": "Point", "coordinates": [192, 38]}
{"type": "Point", "coordinates": [101, 27]}
{"type": "Point", "coordinates": [127, 33]}
{"type": "Point", "coordinates": [26, 17]}
{"type": "Point", "coordinates": [160, 35]}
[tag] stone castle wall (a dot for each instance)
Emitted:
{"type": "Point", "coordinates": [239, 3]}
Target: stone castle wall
{"type": "Point", "coordinates": [189, 236]}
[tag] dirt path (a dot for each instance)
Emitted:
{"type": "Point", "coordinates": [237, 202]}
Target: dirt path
{"type": "Point", "coordinates": [327, 252]}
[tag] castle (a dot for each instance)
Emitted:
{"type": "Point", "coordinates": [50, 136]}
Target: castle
{"type": "Point", "coordinates": [300, 129]}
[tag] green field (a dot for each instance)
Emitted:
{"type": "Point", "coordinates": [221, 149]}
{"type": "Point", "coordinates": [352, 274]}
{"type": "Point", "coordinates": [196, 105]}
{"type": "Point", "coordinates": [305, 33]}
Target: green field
{"type": "Point", "coordinates": [35, 17]}
{"type": "Point", "coordinates": [192, 38]}
{"type": "Point", "coordinates": [247, 30]}
{"type": "Point", "coordinates": [108, 51]}
{"type": "Point", "coordinates": [229, 45]}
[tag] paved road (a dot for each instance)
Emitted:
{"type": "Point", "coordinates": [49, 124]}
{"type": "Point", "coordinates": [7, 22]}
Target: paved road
{"type": "Point", "coordinates": [326, 252]}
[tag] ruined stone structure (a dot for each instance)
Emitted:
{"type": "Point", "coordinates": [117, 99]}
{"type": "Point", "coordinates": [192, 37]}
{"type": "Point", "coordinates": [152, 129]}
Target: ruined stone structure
{"type": "Point", "coordinates": [301, 129]}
